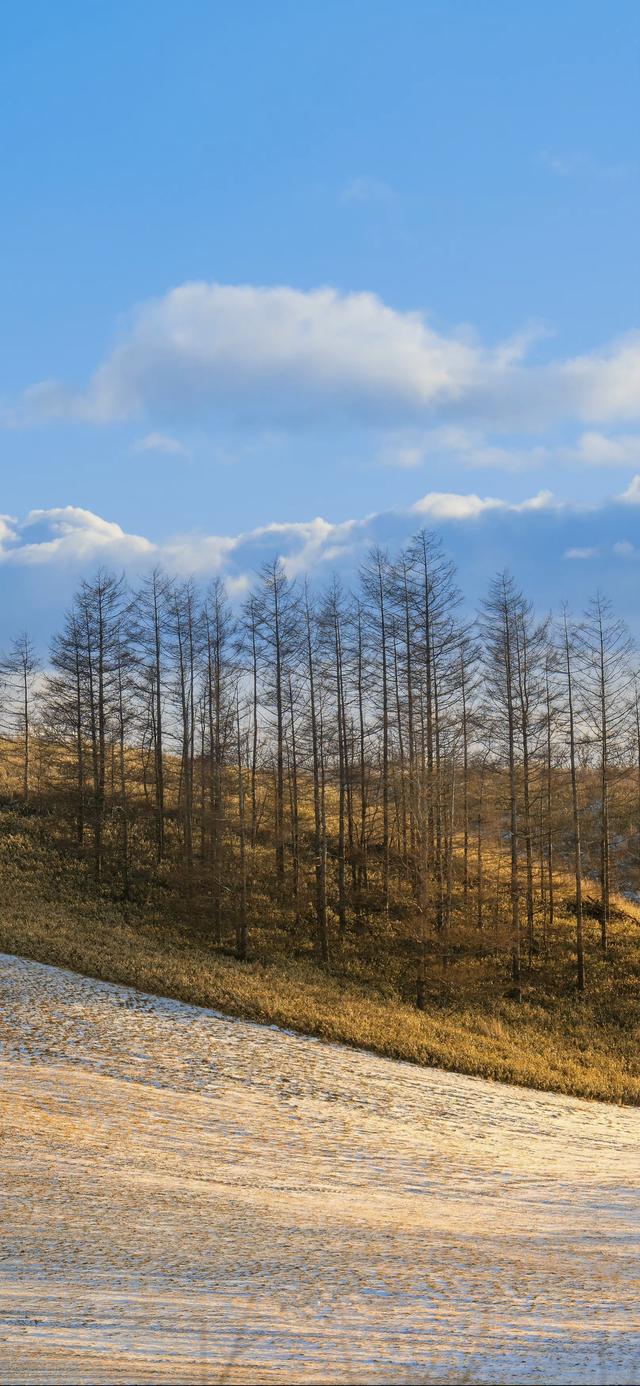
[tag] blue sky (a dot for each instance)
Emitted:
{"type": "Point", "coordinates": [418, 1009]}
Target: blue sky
{"type": "Point", "coordinates": [263, 263]}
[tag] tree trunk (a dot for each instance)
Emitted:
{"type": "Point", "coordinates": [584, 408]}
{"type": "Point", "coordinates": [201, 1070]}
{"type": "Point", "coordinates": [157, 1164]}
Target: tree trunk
{"type": "Point", "coordinates": [577, 845]}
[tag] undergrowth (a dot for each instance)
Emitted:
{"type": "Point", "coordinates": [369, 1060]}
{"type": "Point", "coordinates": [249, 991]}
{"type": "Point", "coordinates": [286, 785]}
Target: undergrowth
{"type": "Point", "coordinates": [554, 1040]}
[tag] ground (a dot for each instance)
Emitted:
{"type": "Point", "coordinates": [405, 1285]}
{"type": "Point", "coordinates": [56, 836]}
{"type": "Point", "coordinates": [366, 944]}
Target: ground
{"type": "Point", "coordinates": [193, 1198]}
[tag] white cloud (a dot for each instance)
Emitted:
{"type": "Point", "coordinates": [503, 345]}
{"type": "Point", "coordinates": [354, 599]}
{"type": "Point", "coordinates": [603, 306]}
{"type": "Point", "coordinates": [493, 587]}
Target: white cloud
{"type": "Point", "coordinates": [605, 386]}
{"type": "Point", "coordinates": [160, 442]}
{"type": "Point", "coordinates": [319, 541]}
{"type": "Point", "coordinates": [269, 354]}
{"type": "Point", "coordinates": [7, 531]}
{"type": "Point", "coordinates": [237, 587]}
{"type": "Point", "coordinates": [507, 459]}
{"type": "Point", "coordinates": [301, 544]}
{"type": "Point", "coordinates": [595, 449]}
{"type": "Point", "coordinates": [446, 505]}
{"type": "Point", "coordinates": [69, 534]}
{"type": "Point", "coordinates": [72, 536]}
{"type": "Point", "coordinates": [465, 446]}
{"type": "Point", "coordinates": [266, 351]}
{"type": "Point", "coordinates": [61, 544]}
{"type": "Point", "coordinates": [405, 456]}
{"type": "Point", "coordinates": [197, 553]}
{"type": "Point", "coordinates": [632, 494]}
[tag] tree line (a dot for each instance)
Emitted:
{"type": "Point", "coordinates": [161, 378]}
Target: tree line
{"type": "Point", "coordinates": [373, 754]}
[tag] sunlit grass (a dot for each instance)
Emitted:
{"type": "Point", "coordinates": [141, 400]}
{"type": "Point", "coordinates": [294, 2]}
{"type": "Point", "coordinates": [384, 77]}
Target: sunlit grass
{"type": "Point", "coordinates": [554, 1040]}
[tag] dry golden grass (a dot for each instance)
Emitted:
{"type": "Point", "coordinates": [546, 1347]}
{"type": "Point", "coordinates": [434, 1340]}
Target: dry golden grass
{"type": "Point", "coordinates": [553, 1041]}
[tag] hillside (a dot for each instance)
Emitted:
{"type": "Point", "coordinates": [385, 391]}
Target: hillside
{"type": "Point", "coordinates": [554, 1039]}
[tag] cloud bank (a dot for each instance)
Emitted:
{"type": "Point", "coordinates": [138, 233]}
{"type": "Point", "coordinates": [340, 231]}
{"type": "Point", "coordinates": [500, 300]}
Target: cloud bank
{"type": "Point", "coordinates": [70, 536]}
{"type": "Point", "coordinates": [540, 538]}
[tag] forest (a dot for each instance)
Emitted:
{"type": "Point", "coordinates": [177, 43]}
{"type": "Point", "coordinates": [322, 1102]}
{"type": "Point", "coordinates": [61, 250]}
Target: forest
{"type": "Point", "coordinates": [372, 774]}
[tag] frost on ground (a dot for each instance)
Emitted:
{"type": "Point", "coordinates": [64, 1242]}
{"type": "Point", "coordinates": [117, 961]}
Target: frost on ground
{"type": "Point", "coordinates": [189, 1198]}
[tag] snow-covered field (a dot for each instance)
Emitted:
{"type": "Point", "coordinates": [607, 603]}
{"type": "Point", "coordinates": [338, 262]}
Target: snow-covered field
{"type": "Point", "coordinates": [188, 1198]}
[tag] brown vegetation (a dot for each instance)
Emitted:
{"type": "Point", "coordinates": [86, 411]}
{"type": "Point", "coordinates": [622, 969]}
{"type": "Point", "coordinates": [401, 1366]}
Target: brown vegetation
{"type": "Point", "coordinates": [552, 1040]}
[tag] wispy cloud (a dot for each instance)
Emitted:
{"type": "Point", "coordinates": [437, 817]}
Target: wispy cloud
{"type": "Point", "coordinates": [467, 447]}
{"type": "Point", "coordinates": [581, 165]}
{"type": "Point", "coordinates": [595, 449]}
{"type": "Point", "coordinates": [367, 190]}
{"type": "Point", "coordinates": [632, 494]}
{"type": "Point", "coordinates": [581, 553]}
{"type": "Point", "coordinates": [161, 442]}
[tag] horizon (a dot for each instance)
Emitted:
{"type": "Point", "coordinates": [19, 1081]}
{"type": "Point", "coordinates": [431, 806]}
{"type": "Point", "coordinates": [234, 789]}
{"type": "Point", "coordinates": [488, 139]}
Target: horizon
{"type": "Point", "coordinates": [320, 553]}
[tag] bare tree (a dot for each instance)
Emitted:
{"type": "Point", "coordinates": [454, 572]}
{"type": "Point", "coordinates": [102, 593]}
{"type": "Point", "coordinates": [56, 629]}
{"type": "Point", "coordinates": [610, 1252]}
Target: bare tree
{"type": "Point", "coordinates": [220, 682]}
{"type": "Point", "coordinates": [19, 670]}
{"type": "Point", "coordinates": [99, 607]}
{"type": "Point", "coordinates": [64, 707]}
{"type": "Point", "coordinates": [184, 636]}
{"type": "Point", "coordinates": [605, 648]}
{"type": "Point", "coordinates": [317, 770]}
{"type": "Point", "coordinates": [277, 636]}
{"type": "Point", "coordinates": [569, 642]}
{"type": "Point", "coordinates": [530, 648]}
{"type": "Point", "coordinates": [151, 608]}
{"type": "Point", "coordinates": [498, 625]}
{"type": "Point", "coordinates": [374, 577]}
{"type": "Point", "coordinates": [333, 619]}
{"type": "Point", "coordinates": [367, 762]}
{"type": "Point", "coordinates": [242, 922]}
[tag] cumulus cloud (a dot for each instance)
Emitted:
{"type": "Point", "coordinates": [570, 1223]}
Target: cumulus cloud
{"type": "Point", "coordinates": [306, 544]}
{"type": "Point", "coordinates": [265, 355]}
{"type": "Point", "coordinates": [264, 351]}
{"type": "Point", "coordinates": [68, 534]}
{"type": "Point", "coordinates": [445, 505]}
{"type": "Point", "coordinates": [71, 536]}
{"type": "Point", "coordinates": [43, 556]}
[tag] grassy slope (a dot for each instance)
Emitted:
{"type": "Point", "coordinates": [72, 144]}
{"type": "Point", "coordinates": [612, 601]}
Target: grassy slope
{"type": "Point", "coordinates": [582, 1046]}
